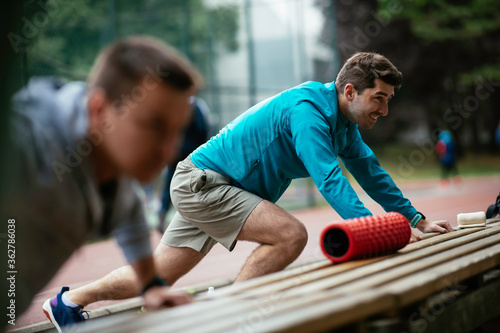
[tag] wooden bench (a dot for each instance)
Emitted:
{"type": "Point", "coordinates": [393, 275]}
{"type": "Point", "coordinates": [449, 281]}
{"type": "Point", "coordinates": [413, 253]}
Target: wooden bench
{"type": "Point", "coordinates": [450, 280]}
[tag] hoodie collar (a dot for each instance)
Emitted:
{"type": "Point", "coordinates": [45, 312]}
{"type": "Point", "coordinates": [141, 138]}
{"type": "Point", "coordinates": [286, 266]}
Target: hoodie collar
{"type": "Point", "coordinates": [343, 120]}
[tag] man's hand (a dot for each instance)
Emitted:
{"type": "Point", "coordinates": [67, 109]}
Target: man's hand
{"type": "Point", "coordinates": [161, 297]}
{"type": "Point", "coordinates": [441, 226]}
{"type": "Point", "coordinates": [156, 297]}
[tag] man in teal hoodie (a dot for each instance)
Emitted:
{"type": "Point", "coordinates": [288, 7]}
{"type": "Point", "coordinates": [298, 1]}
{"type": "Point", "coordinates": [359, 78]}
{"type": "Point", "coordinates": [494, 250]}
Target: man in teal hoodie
{"type": "Point", "coordinates": [226, 190]}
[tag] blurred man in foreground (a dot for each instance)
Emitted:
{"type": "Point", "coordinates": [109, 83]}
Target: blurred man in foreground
{"type": "Point", "coordinates": [78, 151]}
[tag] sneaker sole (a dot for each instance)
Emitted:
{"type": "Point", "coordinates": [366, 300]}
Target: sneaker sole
{"type": "Point", "coordinates": [47, 309]}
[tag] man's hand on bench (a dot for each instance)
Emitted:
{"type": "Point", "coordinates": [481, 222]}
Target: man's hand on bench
{"type": "Point", "coordinates": [162, 297]}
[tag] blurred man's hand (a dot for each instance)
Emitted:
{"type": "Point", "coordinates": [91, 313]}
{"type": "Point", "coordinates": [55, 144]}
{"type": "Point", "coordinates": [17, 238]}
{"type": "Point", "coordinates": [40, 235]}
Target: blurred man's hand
{"type": "Point", "coordinates": [162, 297]}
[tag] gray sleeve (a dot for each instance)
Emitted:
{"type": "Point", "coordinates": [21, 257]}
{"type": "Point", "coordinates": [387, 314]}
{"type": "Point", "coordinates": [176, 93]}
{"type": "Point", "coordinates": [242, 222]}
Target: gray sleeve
{"type": "Point", "coordinates": [131, 231]}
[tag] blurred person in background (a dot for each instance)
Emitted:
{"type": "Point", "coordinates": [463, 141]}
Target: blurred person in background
{"type": "Point", "coordinates": [497, 136]}
{"type": "Point", "coordinates": [78, 151]}
{"type": "Point", "coordinates": [447, 154]}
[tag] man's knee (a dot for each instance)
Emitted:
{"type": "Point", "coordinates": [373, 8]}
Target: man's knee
{"type": "Point", "coordinates": [296, 236]}
{"type": "Point", "coordinates": [301, 235]}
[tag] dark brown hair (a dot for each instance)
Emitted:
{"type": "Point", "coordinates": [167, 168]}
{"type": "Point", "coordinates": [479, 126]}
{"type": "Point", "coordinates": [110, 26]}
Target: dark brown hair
{"type": "Point", "coordinates": [123, 64]}
{"type": "Point", "coordinates": [363, 68]}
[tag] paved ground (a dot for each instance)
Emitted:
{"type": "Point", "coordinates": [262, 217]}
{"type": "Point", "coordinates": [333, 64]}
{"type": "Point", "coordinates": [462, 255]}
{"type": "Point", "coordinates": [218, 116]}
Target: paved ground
{"type": "Point", "coordinates": [97, 259]}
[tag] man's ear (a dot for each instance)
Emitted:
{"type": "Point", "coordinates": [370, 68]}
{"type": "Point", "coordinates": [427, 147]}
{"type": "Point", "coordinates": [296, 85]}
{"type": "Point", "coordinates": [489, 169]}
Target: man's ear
{"type": "Point", "coordinates": [96, 106]}
{"type": "Point", "coordinates": [349, 92]}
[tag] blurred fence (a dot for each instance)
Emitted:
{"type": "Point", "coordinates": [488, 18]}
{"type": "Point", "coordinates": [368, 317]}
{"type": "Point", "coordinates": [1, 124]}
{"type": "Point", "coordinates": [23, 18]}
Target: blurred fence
{"type": "Point", "coordinates": [246, 50]}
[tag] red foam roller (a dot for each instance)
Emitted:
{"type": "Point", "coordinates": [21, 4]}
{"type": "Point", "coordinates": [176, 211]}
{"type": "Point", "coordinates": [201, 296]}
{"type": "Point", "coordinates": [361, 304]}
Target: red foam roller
{"type": "Point", "coordinates": [365, 237]}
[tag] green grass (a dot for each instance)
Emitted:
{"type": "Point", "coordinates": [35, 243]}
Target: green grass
{"type": "Point", "coordinates": [410, 163]}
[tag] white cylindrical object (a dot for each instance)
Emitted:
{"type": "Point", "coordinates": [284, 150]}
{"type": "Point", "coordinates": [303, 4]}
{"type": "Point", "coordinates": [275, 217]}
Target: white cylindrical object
{"type": "Point", "coordinates": [471, 218]}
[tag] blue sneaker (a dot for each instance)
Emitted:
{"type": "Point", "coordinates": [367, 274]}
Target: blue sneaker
{"type": "Point", "coordinates": [61, 315]}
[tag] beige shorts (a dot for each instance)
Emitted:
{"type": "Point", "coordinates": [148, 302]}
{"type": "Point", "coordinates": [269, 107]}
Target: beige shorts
{"type": "Point", "coordinates": [209, 209]}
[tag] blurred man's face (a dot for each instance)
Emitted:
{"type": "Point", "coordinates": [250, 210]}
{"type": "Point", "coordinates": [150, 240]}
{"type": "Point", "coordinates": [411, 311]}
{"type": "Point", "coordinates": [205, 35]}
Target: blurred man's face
{"type": "Point", "coordinates": [365, 109]}
{"type": "Point", "coordinates": [146, 130]}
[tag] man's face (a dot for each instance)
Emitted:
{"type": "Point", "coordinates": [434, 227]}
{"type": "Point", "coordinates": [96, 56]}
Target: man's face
{"type": "Point", "coordinates": [365, 109]}
{"type": "Point", "coordinates": [146, 131]}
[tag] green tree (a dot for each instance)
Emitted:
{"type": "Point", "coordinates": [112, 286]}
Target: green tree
{"type": "Point", "coordinates": [67, 42]}
{"type": "Point", "coordinates": [463, 38]}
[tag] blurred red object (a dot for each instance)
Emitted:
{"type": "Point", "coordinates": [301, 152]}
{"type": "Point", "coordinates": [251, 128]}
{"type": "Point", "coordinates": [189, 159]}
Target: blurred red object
{"type": "Point", "coordinates": [440, 148]}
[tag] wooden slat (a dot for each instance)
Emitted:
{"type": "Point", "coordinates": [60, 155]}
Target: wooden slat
{"type": "Point", "coordinates": [439, 239]}
{"type": "Point", "coordinates": [201, 307]}
{"type": "Point", "coordinates": [184, 317]}
{"type": "Point", "coordinates": [199, 320]}
{"type": "Point", "coordinates": [432, 280]}
{"type": "Point", "coordinates": [201, 288]}
{"type": "Point", "coordinates": [306, 279]}
{"type": "Point", "coordinates": [304, 296]}
{"type": "Point", "coordinates": [429, 235]}
{"type": "Point", "coordinates": [493, 220]}
{"type": "Point", "coordinates": [401, 261]}
{"type": "Point", "coordinates": [263, 280]}
{"type": "Point", "coordinates": [303, 287]}
{"type": "Point", "coordinates": [304, 300]}
{"type": "Point", "coordinates": [493, 224]}
{"type": "Point", "coordinates": [291, 299]}
{"type": "Point", "coordinates": [137, 322]}
{"type": "Point", "coordinates": [187, 317]}
{"type": "Point", "coordinates": [322, 316]}
{"type": "Point", "coordinates": [344, 309]}
{"type": "Point", "coordinates": [326, 279]}
{"type": "Point", "coordinates": [273, 279]}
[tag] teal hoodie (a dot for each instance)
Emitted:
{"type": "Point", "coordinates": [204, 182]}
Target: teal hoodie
{"type": "Point", "coordinates": [300, 133]}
